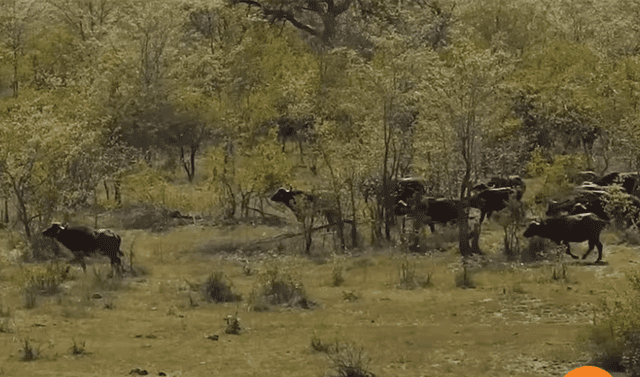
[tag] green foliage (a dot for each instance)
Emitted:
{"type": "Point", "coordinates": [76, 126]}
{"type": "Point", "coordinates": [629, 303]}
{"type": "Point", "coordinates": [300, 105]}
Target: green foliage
{"type": "Point", "coordinates": [619, 206]}
{"type": "Point", "coordinates": [556, 173]}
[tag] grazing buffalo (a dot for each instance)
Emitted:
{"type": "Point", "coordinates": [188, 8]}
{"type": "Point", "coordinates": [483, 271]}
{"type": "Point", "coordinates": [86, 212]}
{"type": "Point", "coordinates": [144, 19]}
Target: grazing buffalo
{"type": "Point", "coordinates": [572, 228]}
{"type": "Point", "coordinates": [82, 241]}
{"type": "Point", "coordinates": [431, 210]}
{"type": "Point", "coordinates": [493, 199]}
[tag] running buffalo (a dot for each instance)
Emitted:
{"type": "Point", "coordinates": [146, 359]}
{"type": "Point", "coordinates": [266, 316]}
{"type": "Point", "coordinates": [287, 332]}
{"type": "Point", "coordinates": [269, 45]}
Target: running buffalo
{"type": "Point", "coordinates": [571, 228]}
{"type": "Point", "coordinates": [82, 241]}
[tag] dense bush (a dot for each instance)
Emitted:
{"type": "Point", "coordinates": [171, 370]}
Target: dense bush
{"type": "Point", "coordinates": [613, 340]}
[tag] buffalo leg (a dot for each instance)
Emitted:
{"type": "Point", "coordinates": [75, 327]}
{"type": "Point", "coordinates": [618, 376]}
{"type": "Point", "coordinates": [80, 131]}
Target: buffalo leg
{"type": "Point", "coordinates": [591, 246]}
{"type": "Point", "coordinates": [79, 258]}
{"type": "Point", "coordinates": [599, 245]}
{"type": "Point", "coordinates": [569, 251]}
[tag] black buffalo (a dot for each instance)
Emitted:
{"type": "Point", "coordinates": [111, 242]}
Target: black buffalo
{"type": "Point", "coordinates": [305, 205]}
{"type": "Point", "coordinates": [584, 201]}
{"type": "Point", "coordinates": [433, 210]}
{"type": "Point", "coordinates": [82, 241]}
{"type": "Point", "coordinates": [493, 200]}
{"type": "Point", "coordinates": [408, 190]}
{"type": "Point", "coordinates": [571, 228]}
{"type": "Point", "coordinates": [299, 130]}
{"type": "Point", "coordinates": [594, 198]}
{"type": "Point", "coordinates": [512, 181]}
{"type": "Point", "coordinates": [628, 181]}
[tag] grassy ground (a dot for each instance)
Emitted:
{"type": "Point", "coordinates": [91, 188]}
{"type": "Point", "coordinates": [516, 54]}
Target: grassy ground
{"type": "Point", "coordinates": [517, 320]}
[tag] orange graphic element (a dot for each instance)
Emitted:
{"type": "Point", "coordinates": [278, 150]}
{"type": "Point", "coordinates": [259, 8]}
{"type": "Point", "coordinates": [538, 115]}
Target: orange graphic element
{"type": "Point", "coordinates": [587, 371]}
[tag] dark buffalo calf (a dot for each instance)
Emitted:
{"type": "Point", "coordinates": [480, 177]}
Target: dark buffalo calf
{"type": "Point", "coordinates": [82, 241]}
{"type": "Point", "coordinates": [573, 228]}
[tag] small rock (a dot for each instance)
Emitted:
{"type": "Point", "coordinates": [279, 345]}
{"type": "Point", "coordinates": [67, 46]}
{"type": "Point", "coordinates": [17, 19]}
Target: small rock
{"type": "Point", "coordinates": [212, 337]}
{"type": "Point", "coordinates": [138, 372]}
{"type": "Point", "coordinates": [96, 296]}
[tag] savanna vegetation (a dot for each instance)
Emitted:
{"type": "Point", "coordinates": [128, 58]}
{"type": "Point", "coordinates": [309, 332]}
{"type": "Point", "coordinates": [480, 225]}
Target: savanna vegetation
{"type": "Point", "coordinates": [174, 121]}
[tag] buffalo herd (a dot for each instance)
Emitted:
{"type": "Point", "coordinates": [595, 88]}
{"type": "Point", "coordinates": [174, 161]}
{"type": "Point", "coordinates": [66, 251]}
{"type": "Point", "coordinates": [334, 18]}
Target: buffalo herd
{"type": "Point", "coordinates": [578, 217]}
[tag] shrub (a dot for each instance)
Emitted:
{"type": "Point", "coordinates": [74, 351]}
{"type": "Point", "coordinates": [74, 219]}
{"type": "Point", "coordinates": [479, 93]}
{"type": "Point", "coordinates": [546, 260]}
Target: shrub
{"type": "Point", "coordinates": [278, 288]}
{"type": "Point", "coordinates": [337, 276]}
{"type": "Point", "coordinates": [28, 351]}
{"type": "Point", "coordinates": [5, 319]}
{"type": "Point", "coordinates": [511, 219]}
{"type": "Point", "coordinates": [45, 280]}
{"type": "Point", "coordinates": [536, 250]}
{"type": "Point", "coordinates": [615, 341]}
{"type": "Point", "coordinates": [631, 353]}
{"type": "Point", "coordinates": [463, 279]}
{"type": "Point", "coordinates": [77, 348]}
{"type": "Point", "coordinates": [218, 289]}
{"type": "Point", "coordinates": [620, 207]}
{"type": "Point", "coordinates": [350, 361]}
{"type": "Point", "coordinates": [233, 324]}
{"type": "Point", "coordinates": [350, 296]}
{"type": "Point", "coordinates": [409, 278]}
{"type": "Point", "coordinates": [559, 272]}
{"type": "Point", "coordinates": [318, 345]}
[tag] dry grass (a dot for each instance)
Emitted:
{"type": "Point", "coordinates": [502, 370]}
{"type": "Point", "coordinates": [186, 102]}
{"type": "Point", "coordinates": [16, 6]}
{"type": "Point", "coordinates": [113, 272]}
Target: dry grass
{"type": "Point", "coordinates": [516, 313]}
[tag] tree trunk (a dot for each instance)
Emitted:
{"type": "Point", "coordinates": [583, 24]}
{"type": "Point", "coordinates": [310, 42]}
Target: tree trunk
{"type": "Point", "coordinates": [106, 188]}
{"type": "Point", "coordinates": [116, 191]}
{"type": "Point", "coordinates": [6, 210]}
{"type": "Point", "coordinates": [463, 217]}
{"type": "Point", "coordinates": [354, 232]}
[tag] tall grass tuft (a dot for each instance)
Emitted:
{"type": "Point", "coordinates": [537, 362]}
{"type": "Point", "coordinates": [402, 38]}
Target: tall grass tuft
{"type": "Point", "coordinates": [409, 278]}
{"type": "Point", "coordinates": [337, 274]}
{"type": "Point", "coordinates": [463, 278]}
{"type": "Point", "coordinates": [278, 288]}
{"type": "Point", "coordinates": [233, 324]}
{"type": "Point", "coordinates": [218, 289]}
{"type": "Point", "coordinates": [78, 348]}
{"type": "Point", "coordinates": [5, 319]}
{"type": "Point", "coordinates": [350, 361]}
{"type": "Point", "coordinates": [45, 280]}
{"type": "Point", "coordinates": [29, 352]}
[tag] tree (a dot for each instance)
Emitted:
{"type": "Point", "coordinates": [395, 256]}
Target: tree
{"type": "Point", "coordinates": [39, 157]}
{"type": "Point", "coordinates": [473, 100]}
{"type": "Point", "coordinates": [318, 18]}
